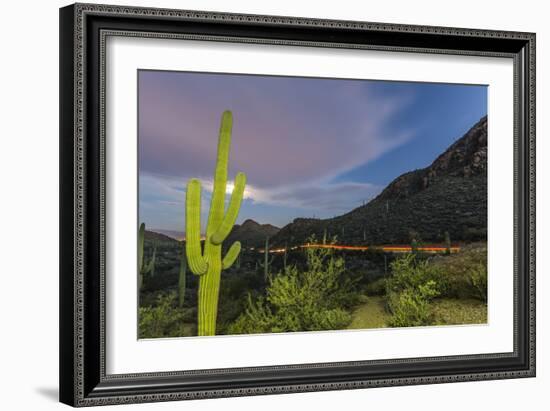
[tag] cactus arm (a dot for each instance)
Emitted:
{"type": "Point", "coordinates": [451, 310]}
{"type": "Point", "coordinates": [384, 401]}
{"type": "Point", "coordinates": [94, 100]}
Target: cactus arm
{"type": "Point", "coordinates": [197, 263]}
{"type": "Point", "coordinates": [232, 212]}
{"type": "Point", "coordinates": [267, 260]}
{"type": "Point", "coordinates": [141, 241]}
{"type": "Point", "coordinates": [217, 203]}
{"type": "Point", "coordinates": [231, 255]}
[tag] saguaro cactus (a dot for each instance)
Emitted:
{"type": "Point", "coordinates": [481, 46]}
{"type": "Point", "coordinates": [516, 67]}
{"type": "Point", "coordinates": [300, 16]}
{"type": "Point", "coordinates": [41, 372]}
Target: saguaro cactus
{"type": "Point", "coordinates": [209, 264]}
{"type": "Point", "coordinates": [414, 246]}
{"type": "Point", "coordinates": [182, 279]}
{"type": "Point", "coordinates": [267, 261]}
{"type": "Point", "coordinates": [285, 256]}
{"type": "Point", "coordinates": [151, 268]}
{"type": "Point", "coordinates": [144, 268]}
{"type": "Point", "coordinates": [447, 243]}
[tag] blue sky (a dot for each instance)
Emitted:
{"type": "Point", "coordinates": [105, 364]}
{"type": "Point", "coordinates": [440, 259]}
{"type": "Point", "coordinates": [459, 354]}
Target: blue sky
{"type": "Point", "coordinates": [310, 147]}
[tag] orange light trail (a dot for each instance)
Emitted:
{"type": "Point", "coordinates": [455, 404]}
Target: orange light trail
{"type": "Point", "coordinates": [385, 248]}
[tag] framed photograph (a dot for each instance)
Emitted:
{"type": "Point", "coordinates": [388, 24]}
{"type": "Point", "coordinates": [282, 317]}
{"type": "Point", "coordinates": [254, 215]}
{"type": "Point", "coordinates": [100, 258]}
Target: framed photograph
{"type": "Point", "coordinates": [262, 204]}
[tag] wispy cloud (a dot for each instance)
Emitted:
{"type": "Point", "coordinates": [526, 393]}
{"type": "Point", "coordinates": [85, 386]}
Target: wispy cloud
{"type": "Point", "coordinates": [286, 130]}
{"type": "Point", "coordinates": [293, 137]}
{"type": "Point", "coordinates": [165, 196]}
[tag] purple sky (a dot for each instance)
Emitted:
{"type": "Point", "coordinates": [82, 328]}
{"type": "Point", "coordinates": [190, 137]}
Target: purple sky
{"type": "Point", "coordinates": [305, 144]}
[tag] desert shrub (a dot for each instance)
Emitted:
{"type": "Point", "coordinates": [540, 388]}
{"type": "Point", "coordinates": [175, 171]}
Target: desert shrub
{"type": "Point", "coordinates": [234, 289]}
{"type": "Point", "coordinates": [411, 271]}
{"type": "Point", "coordinates": [312, 299]}
{"type": "Point", "coordinates": [411, 307]}
{"type": "Point", "coordinates": [413, 284]}
{"type": "Point", "coordinates": [464, 274]}
{"type": "Point", "coordinates": [164, 319]}
{"type": "Point", "coordinates": [478, 281]}
{"type": "Point", "coordinates": [454, 311]}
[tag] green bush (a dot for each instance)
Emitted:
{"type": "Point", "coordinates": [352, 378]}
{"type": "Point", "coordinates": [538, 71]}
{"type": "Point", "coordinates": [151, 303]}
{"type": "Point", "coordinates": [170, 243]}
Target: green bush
{"type": "Point", "coordinates": [310, 300]}
{"type": "Point", "coordinates": [413, 284]}
{"type": "Point", "coordinates": [464, 274]}
{"type": "Point", "coordinates": [411, 271]}
{"type": "Point", "coordinates": [233, 296]}
{"type": "Point", "coordinates": [411, 307]}
{"type": "Point", "coordinates": [478, 282]}
{"type": "Point", "coordinates": [454, 311]}
{"type": "Point", "coordinates": [164, 319]}
{"type": "Point", "coordinates": [416, 281]}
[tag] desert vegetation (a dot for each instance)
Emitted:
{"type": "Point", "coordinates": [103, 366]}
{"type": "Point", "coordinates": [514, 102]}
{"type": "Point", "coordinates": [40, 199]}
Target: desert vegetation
{"type": "Point", "coordinates": [328, 289]}
{"type": "Point", "coordinates": [414, 256]}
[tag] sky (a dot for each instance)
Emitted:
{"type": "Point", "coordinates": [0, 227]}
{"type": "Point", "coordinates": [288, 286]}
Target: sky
{"type": "Point", "coordinates": [310, 147]}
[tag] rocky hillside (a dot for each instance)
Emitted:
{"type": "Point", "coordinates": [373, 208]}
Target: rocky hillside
{"type": "Point", "coordinates": [449, 195]}
{"type": "Point", "coordinates": [157, 237]}
{"type": "Point", "coordinates": [251, 234]}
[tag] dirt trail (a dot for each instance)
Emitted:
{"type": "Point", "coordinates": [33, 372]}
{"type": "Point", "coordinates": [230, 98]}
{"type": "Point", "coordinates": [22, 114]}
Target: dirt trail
{"type": "Point", "coordinates": [372, 314]}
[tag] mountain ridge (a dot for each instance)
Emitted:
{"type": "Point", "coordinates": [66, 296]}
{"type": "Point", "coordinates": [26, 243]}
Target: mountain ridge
{"type": "Point", "coordinates": [251, 233]}
{"type": "Point", "coordinates": [449, 195]}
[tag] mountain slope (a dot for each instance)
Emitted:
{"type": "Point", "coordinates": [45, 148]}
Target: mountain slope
{"type": "Point", "coordinates": [251, 234]}
{"type": "Point", "coordinates": [449, 195]}
{"type": "Point", "coordinates": [158, 237]}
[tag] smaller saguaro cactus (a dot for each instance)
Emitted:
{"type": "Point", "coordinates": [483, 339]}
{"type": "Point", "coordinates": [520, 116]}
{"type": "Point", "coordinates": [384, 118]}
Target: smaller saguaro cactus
{"type": "Point", "coordinates": [143, 267]}
{"type": "Point", "coordinates": [285, 257]}
{"type": "Point", "coordinates": [414, 246]}
{"type": "Point", "coordinates": [447, 243]}
{"type": "Point", "coordinates": [182, 278]}
{"type": "Point", "coordinates": [325, 236]}
{"type": "Point", "coordinates": [141, 241]}
{"type": "Point", "coordinates": [364, 235]}
{"type": "Point", "coordinates": [267, 261]}
{"type": "Point", "coordinates": [151, 268]}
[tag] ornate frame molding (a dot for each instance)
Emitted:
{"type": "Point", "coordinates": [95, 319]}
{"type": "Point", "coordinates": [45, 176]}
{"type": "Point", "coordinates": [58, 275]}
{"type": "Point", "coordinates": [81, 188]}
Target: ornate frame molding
{"type": "Point", "coordinates": [83, 378]}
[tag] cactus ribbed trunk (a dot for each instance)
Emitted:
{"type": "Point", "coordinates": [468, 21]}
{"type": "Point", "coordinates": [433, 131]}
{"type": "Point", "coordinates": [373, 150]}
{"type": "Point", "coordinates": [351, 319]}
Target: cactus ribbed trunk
{"type": "Point", "coordinates": [208, 265]}
{"type": "Point", "coordinates": [447, 243]}
{"type": "Point", "coordinates": [285, 257]}
{"type": "Point", "coordinates": [144, 268]}
{"type": "Point", "coordinates": [209, 290]}
{"type": "Point", "coordinates": [266, 258]}
{"type": "Point", "coordinates": [267, 261]}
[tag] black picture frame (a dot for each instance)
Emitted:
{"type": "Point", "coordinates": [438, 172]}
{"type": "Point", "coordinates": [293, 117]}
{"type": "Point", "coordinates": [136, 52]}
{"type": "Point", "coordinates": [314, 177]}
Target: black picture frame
{"type": "Point", "coordinates": [83, 29]}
